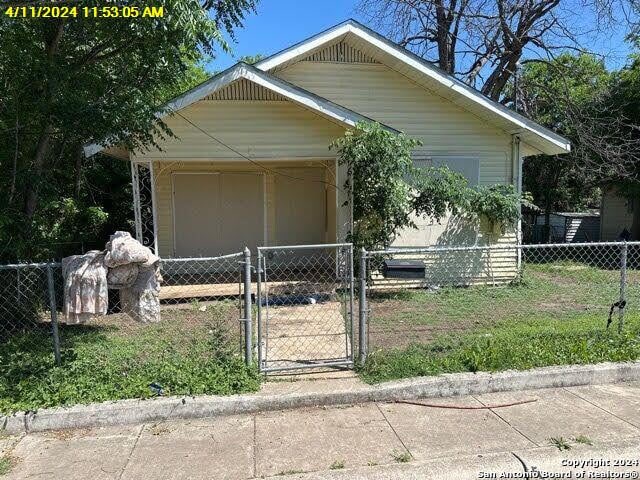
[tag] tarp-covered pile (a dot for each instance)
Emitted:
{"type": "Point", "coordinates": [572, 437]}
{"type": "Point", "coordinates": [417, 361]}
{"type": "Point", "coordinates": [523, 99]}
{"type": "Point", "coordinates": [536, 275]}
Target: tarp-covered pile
{"type": "Point", "coordinates": [125, 265]}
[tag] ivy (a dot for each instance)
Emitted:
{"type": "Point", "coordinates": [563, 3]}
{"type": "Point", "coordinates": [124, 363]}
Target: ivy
{"type": "Point", "coordinates": [499, 204]}
{"type": "Point", "coordinates": [379, 162]}
{"type": "Point", "coordinates": [387, 188]}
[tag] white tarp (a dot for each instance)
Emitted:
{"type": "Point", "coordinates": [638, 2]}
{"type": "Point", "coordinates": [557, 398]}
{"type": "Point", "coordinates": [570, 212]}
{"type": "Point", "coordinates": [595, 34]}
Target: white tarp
{"type": "Point", "coordinates": [125, 265]}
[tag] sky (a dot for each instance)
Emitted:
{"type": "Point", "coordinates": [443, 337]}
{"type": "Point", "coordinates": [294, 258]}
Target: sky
{"type": "Point", "coordinates": [278, 24]}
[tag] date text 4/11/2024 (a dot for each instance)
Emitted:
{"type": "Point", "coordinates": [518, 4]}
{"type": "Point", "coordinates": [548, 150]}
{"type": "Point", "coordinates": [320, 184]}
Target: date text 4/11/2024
{"type": "Point", "coordinates": [65, 11]}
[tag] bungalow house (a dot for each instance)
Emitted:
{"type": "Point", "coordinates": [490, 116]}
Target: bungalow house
{"type": "Point", "coordinates": [251, 164]}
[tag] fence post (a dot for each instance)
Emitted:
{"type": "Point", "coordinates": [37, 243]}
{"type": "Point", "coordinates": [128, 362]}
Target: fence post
{"type": "Point", "coordinates": [259, 305]}
{"type": "Point", "coordinates": [623, 285]}
{"type": "Point", "coordinates": [54, 314]}
{"type": "Point", "coordinates": [362, 314]}
{"type": "Point", "coordinates": [248, 317]}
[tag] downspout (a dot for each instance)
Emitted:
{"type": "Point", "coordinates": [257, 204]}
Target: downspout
{"type": "Point", "coordinates": [516, 179]}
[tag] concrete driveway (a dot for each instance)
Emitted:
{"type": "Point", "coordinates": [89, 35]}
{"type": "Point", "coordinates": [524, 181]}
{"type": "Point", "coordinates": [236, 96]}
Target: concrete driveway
{"type": "Point", "coordinates": [556, 427]}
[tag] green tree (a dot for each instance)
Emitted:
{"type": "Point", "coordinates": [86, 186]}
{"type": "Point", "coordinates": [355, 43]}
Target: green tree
{"type": "Point", "coordinates": [67, 82]}
{"type": "Point", "coordinates": [624, 170]}
{"type": "Point", "coordinates": [378, 165]}
{"type": "Point", "coordinates": [251, 59]}
{"type": "Point", "coordinates": [562, 95]}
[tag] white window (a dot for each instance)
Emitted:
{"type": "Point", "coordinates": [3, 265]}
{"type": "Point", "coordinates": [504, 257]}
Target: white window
{"type": "Point", "coordinates": [468, 166]}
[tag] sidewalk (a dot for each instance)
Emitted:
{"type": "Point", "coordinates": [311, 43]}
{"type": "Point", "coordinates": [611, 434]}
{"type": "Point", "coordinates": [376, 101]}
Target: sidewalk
{"type": "Point", "coordinates": [376, 440]}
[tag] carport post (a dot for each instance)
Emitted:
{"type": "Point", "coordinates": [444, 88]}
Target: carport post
{"type": "Point", "coordinates": [362, 313]}
{"type": "Point", "coordinates": [623, 285]}
{"type": "Point", "coordinates": [248, 327]}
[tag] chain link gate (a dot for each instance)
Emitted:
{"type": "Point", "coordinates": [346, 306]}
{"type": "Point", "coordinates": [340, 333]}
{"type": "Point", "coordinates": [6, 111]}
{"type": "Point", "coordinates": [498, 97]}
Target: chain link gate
{"type": "Point", "coordinates": [305, 306]}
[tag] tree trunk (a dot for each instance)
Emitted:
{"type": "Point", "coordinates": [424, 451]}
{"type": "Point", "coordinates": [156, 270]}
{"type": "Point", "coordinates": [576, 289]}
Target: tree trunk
{"type": "Point", "coordinates": [42, 149]}
{"type": "Point", "coordinates": [79, 165]}
{"type": "Point", "coordinates": [52, 44]}
{"type": "Point", "coordinates": [14, 166]}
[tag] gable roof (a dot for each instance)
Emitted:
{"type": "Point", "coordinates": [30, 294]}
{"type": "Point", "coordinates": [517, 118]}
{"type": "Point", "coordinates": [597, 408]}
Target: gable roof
{"type": "Point", "coordinates": [325, 108]}
{"type": "Point", "coordinates": [425, 74]}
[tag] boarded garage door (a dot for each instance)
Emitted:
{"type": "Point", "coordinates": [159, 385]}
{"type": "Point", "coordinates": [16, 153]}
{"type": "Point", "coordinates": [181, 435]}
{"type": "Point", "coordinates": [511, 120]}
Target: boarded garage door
{"type": "Point", "coordinates": [217, 213]}
{"type": "Point", "coordinates": [301, 210]}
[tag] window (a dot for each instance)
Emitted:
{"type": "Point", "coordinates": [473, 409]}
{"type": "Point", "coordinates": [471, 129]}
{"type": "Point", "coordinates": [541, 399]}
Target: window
{"type": "Point", "coordinates": [467, 166]}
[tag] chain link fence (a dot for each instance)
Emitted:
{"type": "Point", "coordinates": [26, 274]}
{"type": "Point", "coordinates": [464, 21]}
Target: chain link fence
{"type": "Point", "coordinates": [27, 292]}
{"type": "Point", "coordinates": [302, 298]}
{"type": "Point", "coordinates": [446, 297]}
{"type": "Point", "coordinates": [200, 331]}
{"type": "Point", "coordinates": [305, 307]}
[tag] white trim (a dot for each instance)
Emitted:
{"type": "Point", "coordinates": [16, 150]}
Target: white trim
{"type": "Point", "coordinates": [516, 177]}
{"type": "Point", "coordinates": [561, 144]}
{"type": "Point", "coordinates": [265, 210]}
{"type": "Point", "coordinates": [135, 189]}
{"type": "Point", "coordinates": [154, 209]}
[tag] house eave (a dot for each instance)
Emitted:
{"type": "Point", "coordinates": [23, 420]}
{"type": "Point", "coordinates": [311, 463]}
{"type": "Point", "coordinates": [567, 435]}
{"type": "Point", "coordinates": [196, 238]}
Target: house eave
{"type": "Point", "coordinates": [293, 93]}
{"type": "Point", "coordinates": [546, 140]}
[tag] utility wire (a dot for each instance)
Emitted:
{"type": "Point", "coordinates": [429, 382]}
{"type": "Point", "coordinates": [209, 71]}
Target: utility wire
{"type": "Point", "coordinates": [258, 164]}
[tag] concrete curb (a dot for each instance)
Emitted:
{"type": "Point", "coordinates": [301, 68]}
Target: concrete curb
{"type": "Point", "coordinates": [126, 412]}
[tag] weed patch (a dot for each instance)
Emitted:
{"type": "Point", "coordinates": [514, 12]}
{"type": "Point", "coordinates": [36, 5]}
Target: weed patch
{"type": "Point", "coordinates": [560, 443]}
{"type": "Point", "coordinates": [187, 353]}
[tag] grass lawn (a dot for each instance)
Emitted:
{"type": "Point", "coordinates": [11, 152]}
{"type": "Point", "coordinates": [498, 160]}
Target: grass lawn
{"type": "Point", "coordinates": [556, 315]}
{"type": "Point", "coordinates": [189, 352]}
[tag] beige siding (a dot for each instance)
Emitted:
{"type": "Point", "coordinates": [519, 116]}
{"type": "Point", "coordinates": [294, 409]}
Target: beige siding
{"type": "Point", "coordinates": [311, 169]}
{"type": "Point", "coordinates": [380, 93]}
{"type": "Point", "coordinates": [454, 268]}
{"type": "Point", "coordinates": [616, 215]}
{"type": "Point", "coordinates": [445, 129]}
{"type": "Point", "coordinates": [258, 129]}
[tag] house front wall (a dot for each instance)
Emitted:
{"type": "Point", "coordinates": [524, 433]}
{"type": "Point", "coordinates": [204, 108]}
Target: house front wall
{"type": "Point", "coordinates": [225, 130]}
{"type": "Point", "coordinates": [445, 130]}
{"type": "Point", "coordinates": [380, 93]}
{"type": "Point", "coordinates": [269, 129]}
{"type": "Point", "coordinates": [258, 134]}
